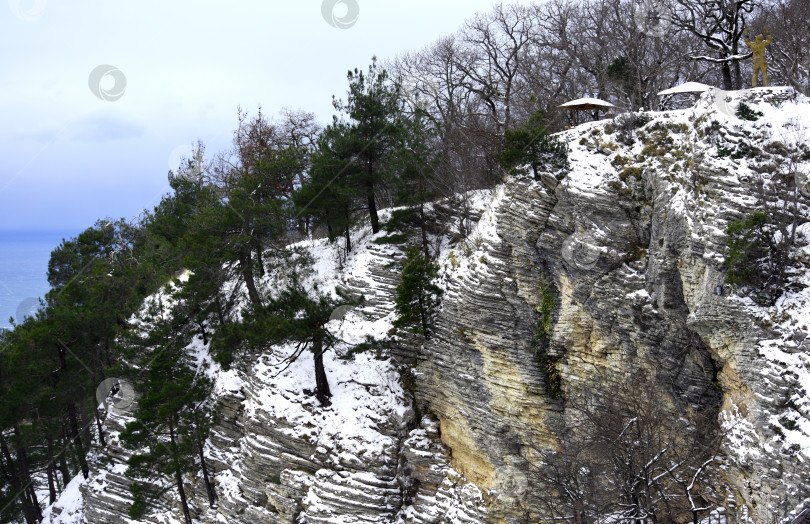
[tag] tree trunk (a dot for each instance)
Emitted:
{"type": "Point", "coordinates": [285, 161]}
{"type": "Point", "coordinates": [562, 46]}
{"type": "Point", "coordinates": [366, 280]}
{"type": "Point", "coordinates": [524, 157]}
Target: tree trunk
{"type": "Point", "coordinates": [372, 206]}
{"type": "Point", "coordinates": [245, 262]}
{"type": "Point", "coordinates": [220, 313]}
{"type": "Point", "coordinates": [423, 315]}
{"type": "Point", "coordinates": [17, 484]}
{"type": "Point", "coordinates": [727, 81]}
{"type": "Point", "coordinates": [348, 240]}
{"type": "Point", "coordinates": [63, 466]}
{"type": "Point", "coordinates": [259, 259]}
{"type": "Point", "coordinates": [178, 475]}
{"type": "Point", "coordinates": [738, 80]}
{"type": "Point", "coordinates": [322, 392]}
{"type": "Point", "coordinates": [25, 474]}
{"type": "Point", "coordinates": [100, 431]}
{"type": "Point", "coordinates": [204, 333]}
{"type": "Point", "coordinates": [212, 496]}
{"type": "Point", "coordinates": [77, 439]}
{"type": "Point", "coordinates": [34, 501]}
{"type": "Point", "coordinates": [423, 227]}
{"type": "Point", "coordinates": [50, 471]}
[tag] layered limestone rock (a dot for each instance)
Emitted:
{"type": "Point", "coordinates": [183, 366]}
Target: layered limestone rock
{"type": "Point", "coordinates": [281, 457]}
{"type": "Point", "coordinates": [629, 245]}
{"type": "Point", "coordinates": [106, 494]}
{"type": "Point", "coordinates": [635, 256]}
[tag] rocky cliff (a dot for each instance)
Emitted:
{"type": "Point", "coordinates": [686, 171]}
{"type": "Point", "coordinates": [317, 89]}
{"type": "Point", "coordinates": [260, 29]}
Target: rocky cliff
{"type": "Point", "coordinates": [623, 256]}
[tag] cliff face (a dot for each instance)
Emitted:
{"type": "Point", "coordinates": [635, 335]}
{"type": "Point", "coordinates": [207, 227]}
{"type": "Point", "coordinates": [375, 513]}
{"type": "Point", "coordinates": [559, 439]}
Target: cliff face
{"type": "Point", "coordinates": [624, 254]}
{"type": "Point", "coordinates": [633, 241]}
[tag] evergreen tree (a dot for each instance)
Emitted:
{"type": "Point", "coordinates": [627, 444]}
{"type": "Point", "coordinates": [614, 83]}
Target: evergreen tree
{"type": "Point", "coordinates": [248, 203]}
{"type": "Point", "coordinates": [21, 372]}
{"type": "Point", "coordinates": [173, 414]}
{"type": "Point", "coordinates": [295, 316]}
{"type": "Point", "coordinates": [416, 162]}
{"type": "Point", "coordinates": [375, 108]}
{"type": "Point", "coordinates": [418, 296]}
{"type": "Point", "coordinates": [532, 144]}
{"type": "Point", "coordinates": [328, 196]}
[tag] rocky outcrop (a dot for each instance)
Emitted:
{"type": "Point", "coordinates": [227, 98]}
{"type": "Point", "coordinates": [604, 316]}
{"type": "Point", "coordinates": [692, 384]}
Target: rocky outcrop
{"type": "Point", "coordinates": [625, 254]}
{"type": "Point", "coordinates": [635, 256]}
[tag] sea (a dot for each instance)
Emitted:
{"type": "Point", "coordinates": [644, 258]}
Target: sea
{"type": "Point", "coordinates": [24, 259]}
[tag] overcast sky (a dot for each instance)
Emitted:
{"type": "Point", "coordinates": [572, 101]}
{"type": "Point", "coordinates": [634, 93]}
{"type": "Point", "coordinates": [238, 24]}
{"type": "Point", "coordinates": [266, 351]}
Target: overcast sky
{"type": "Point", "coordinates": [179, 70]}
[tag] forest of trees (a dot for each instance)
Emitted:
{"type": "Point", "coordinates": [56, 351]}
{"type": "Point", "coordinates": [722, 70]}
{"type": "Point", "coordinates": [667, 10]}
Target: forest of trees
{"type": "Point", "coordinates": [425, 125]}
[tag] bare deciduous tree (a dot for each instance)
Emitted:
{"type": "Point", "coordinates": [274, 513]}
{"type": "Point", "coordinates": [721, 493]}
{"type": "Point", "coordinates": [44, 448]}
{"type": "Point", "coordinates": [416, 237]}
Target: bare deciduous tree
{"type": "Point", "coordinates": [632, 452]}
{"type": "Point", "coordinates": [719, 25]}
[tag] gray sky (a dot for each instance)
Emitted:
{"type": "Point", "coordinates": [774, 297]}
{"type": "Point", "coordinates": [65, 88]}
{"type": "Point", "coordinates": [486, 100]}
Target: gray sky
{"type": "Point", "coordinates": [69, 157]}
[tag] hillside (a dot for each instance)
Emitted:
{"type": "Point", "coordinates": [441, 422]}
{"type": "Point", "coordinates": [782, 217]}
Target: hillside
{"type": "Point", "coordinates": [573, 302]}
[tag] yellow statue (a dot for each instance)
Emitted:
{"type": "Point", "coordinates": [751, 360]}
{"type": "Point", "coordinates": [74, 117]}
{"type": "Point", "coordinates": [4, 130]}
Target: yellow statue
{"type": "Point", "coordinates": [758, 48]}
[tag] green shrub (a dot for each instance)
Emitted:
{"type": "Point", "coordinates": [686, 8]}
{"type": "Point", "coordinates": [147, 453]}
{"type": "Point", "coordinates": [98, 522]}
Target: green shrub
{"type": "Point", "coordinates": [760, 251]}
{"type": "Point", "coordinates": [625, 125]}
{"type": "Point", "coordinates": [630, 172]}
{"type": "Point", "coordinates": [418, 296]}
{"type": "Point", "coordinates": [396, 239]}
{"type": "Point", "coordinates": [747, 246]}
{"type": "Point", "coordinates": [401, 220]}
{"type": "Point", "coordinates": [744, 112]}
{"type": "Point", "coordinates": [532, 144]}
{"type": "Point", "coordinates": [548, 364]}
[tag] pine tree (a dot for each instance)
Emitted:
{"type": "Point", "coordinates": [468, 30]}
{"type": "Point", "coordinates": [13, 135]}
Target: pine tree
{"type": "Point", "coordinates": [532, 144]}
{"type": "Point", "coordinates": [20, 390]}
{"type": "Point", "coordinates": [418, 296]}
{"type": "Point", "coordinates": [328, 197]}
{"type": "Point", "coordinates": [173, 415]}
{"type": "Point", "coordinates": [298, 317]}
{"type": "Point", "coordinates": [416, 162]}
{"type": "Point", "coordinates": [375, 108]}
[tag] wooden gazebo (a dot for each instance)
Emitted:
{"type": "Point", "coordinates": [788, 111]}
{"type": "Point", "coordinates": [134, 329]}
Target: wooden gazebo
{"type": "Point", "coordinates": [585, 104]}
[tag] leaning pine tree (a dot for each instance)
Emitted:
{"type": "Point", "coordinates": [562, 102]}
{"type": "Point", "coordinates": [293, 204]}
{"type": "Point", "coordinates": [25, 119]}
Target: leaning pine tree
{"type": "Point", "coordinates": [418, 296]}
{"type": "Point", "coordinates": [299, 317]}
